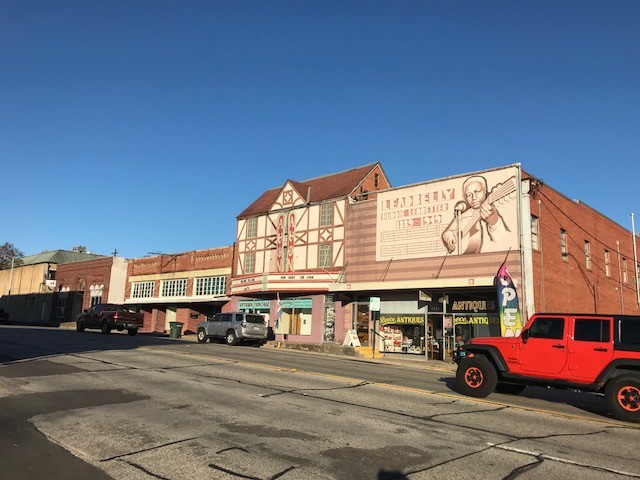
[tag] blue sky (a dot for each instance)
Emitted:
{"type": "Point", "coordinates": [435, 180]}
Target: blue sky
{"type": "Point", "coordinates": [148, 126]}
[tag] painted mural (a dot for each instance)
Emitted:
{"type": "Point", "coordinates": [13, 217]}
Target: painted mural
{"type": "Point", "coordinates": [459, 216]}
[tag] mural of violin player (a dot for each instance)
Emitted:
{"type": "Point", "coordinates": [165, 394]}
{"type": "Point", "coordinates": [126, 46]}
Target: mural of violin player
{"type": "Point", "coordinates": [477, 219]}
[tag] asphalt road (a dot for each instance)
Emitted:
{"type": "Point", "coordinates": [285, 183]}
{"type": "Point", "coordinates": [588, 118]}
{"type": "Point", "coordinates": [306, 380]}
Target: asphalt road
{"type": "Point", "coordinates": [92, 406]}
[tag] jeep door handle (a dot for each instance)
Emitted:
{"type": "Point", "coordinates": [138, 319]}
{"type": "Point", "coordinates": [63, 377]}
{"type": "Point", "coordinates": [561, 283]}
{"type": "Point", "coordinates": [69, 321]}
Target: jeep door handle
{"type": "Point", "coordinates": [600, 349]}
{"type": "Point", "coordinates": [558, 346]}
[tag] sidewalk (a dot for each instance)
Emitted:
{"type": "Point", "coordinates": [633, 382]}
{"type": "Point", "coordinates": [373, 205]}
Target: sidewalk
{"type": "Point", "coordinates": [363, 354]}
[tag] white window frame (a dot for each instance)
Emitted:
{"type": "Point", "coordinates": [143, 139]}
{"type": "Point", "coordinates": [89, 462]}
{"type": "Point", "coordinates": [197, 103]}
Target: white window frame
{"type": "Point", "coordinates": [607, 264]}
{"type": "Point", "coordinates": [587, 254]}
{"type": "Point", "coordinates": [142, 289]}
{"type": "Point", "coordinates": [94, 299]}
{"type": "Point", "coordinates": [95, 294]}
{"type": "Point", "coordinates": [173, 287]}
{"type": "Point", "coordinates": [324, 255]}
{"type": "Point", "coordinates": [252, 227]}
{"type": "Point", "coordinates": [206, 286]}
{"type": "Point", "coordinates": [563, 245]}
{"type": "Point", "coordinates": [250, 262]}
{"type": "Point", "coordinates": [535, 238]}
{"type": "Point", "coordinates": [326, 214]}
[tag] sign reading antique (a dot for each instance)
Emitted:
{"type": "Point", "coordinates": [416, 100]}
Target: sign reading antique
{"type": "Point", "coordinates": [443, 218]}
{"type": "Point", "coordinates": [477, 320]}
{"type": "Point", "coordinates": [472, 306]}
{"type": "Point", "coordinates": [401, 319]}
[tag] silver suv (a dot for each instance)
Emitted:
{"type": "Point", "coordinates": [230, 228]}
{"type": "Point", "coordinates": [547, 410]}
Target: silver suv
{"type": "Point", "coordinates": [234, 327]}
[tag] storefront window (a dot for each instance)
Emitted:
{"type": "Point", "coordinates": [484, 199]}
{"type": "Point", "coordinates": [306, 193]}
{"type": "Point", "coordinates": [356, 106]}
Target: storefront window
{"type": "Point", "coordinates": [402, 333]}
{"type": "Point", "coordinates": [295, 318]}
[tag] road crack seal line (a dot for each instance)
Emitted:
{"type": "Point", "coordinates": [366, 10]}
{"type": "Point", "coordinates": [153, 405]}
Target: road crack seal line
{"type": "Point", "coordinates": [118, 457]}
{"type": "Point", "coordinates": [542, 456]}
{"type": "Point", "coordinates": [301, 391]}
{"type": "Point", "coordinates": [516, 472]}
{"type": "Point", "coordinates": [248, 477]}
{"type": "Point", "coordinates": [145, 470]}
{"type": "Point", "coordinates": [232, 448]}
{"type": "Point", "coordinates": [231, 472]}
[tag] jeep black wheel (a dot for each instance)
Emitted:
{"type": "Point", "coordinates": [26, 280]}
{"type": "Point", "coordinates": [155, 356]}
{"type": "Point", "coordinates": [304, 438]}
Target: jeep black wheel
{"type": "Point", "coordinates": [510, 388]}
{"type": "Point", "coordinates": [623, 396]}
{"type": "Point", "coordinates": [231, 338]}
{"type": "Point", "coordinates": [202, 335]}
{"type": "Point", "coordinates": [79, 326]}
{"type": "Point", "coordinates": [105, 328]}
{"type": "Point", "coordinates": [476, 377]}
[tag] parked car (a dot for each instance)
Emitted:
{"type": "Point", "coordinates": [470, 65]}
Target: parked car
{"type": "Point", "coordinates": [4, 316]}
{"type": "Point", "coordinates": [585, 352]}
{"type": "Point", "coordinates": [108, 316]}
{"type": "Point", "coordinates": [234, 327]}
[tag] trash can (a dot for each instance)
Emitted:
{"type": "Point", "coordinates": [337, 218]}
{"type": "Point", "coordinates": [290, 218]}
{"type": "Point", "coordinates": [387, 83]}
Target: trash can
{"type": "Point", "coordinates": [176, 329]}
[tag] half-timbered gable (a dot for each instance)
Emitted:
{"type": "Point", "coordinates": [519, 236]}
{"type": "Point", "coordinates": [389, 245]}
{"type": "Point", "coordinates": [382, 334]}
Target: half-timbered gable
{"type": "Point", "coordinates": [299, 228]}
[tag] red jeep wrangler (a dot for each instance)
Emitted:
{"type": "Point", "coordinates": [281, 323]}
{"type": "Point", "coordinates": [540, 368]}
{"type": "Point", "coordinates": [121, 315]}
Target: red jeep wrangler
{"type": "Point", "coordinates": [596, 353]}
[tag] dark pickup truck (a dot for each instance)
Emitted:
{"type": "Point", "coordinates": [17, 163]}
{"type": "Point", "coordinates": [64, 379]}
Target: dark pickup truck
{"type": "Point", "coordinates": [107, 316]}
{"type": "Point", "coordinates": [4, 316]}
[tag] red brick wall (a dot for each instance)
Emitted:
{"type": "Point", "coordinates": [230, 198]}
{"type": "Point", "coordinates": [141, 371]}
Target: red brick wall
{"type": "Point", "coordinates": [368, 186]}
{"type": "Point", "coordinates": [568, 286]}
{"type": "Point", "coordinates": [89, 272]}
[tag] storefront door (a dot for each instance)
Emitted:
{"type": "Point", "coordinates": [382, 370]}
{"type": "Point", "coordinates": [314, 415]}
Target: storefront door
{"type": "Point", "coordinates": [362, 323]}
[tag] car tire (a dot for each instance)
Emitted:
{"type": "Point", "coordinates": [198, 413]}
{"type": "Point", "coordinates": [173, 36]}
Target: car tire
{"type": "Point", "coordinates": [202, 336]}
{"type": "Point", "coordinates": [79, 326]}
{"type": "Point", "coordinates": [476, 377]}
{"type": "Point", "coordinates": [105, 327]}
{"type": "Point", "coordinates": [231, 338]}
{"type": "Point", "coordinates": [510, 388]}
{"type": "Point", "coordinates": [132, 331]}
{"type": "Point", "coordinates": [623, 397]}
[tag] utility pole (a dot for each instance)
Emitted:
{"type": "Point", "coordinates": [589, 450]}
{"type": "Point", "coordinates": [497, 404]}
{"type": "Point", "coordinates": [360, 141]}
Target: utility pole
{"type": "Point", "coordinates": [13, 259]}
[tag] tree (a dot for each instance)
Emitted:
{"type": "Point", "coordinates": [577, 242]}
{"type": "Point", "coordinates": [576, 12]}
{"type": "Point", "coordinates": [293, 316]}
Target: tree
{"type": "Point", "coordinates": [7, 252]}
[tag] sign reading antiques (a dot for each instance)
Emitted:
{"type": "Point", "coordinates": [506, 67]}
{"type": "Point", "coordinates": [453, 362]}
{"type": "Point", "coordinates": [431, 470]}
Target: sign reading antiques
{"type": "Point", "coordinates": [401, 319]}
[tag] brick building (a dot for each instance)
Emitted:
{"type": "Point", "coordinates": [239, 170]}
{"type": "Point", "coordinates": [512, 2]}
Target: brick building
{"type": "Point", "coordinates": [562, 255]}
{"type": "Point", "coordinates": [182, 287]}
{"type": "Point", "coordinates": [582, 261]}
{"type": "Point", "coordinates": [427, 256]}
{"type": "Point", "coordinates": [30, 288]}
{"type": "Point", "coordinates": [80, 285]}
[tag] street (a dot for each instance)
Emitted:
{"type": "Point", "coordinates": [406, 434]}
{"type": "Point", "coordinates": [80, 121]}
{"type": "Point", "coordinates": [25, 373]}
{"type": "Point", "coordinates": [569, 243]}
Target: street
{"type": "Point", "coordinates": [92, 406]}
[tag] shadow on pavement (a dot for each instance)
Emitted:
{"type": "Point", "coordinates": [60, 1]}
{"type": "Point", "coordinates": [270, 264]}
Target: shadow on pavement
{"type": "Point", "coordinates": [585, 401]}
{"type": "Point", "coordinates": [18, 343]}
